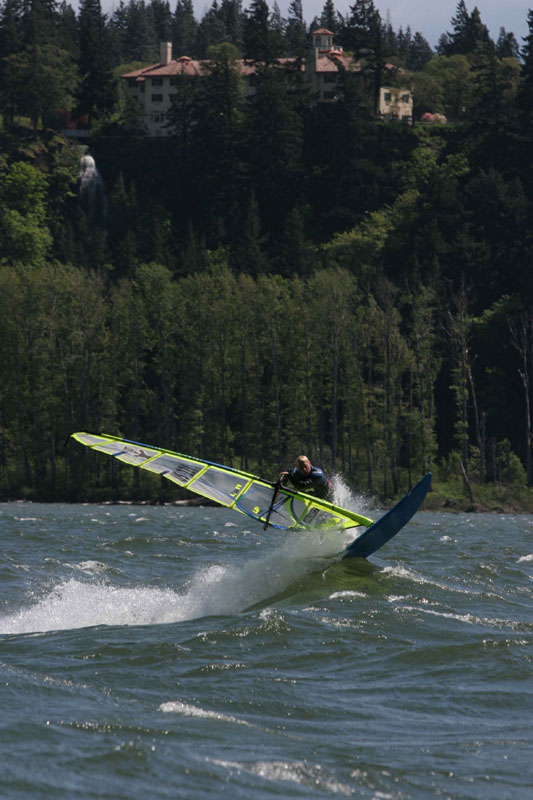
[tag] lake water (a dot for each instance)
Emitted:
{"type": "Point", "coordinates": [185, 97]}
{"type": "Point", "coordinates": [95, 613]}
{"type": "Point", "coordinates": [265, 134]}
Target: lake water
{"type": "Point", "coordinates": [169, 652]}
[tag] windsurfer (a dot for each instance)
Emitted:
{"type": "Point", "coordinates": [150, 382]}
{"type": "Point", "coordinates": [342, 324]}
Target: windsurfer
{"type": "Point", "coordinates": [307, 478]}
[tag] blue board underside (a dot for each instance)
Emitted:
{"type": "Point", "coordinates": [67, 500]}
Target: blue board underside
{"type": "Point", "coordinates": [387, 526]}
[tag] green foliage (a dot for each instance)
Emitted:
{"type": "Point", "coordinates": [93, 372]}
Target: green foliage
{"type": "Point", "coordinates": [41, 79]}
{"type": "Point", "coordinates": [24, 235]}
{"type": "Point", "coordinates": [274, 275]}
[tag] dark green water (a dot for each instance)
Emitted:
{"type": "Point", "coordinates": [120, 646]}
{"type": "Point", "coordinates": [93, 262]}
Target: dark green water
{"type": "Point", "coordinates": [183, 653]}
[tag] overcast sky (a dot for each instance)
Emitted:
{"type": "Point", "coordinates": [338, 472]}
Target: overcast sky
{"type": "Point", "coordinates": [430, 17]}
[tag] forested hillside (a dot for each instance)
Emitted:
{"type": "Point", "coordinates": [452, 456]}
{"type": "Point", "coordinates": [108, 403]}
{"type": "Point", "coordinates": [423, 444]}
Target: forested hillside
{"type": "Point", "coordinates": [275, 275]}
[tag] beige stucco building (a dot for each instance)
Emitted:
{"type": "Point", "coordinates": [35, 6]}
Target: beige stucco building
{"type": "Point", "coordinates": [151, 88]}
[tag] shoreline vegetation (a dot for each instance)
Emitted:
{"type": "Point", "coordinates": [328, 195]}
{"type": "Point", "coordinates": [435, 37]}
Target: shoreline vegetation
{"type": "Point", "coordinates": [283, 271]}
{"type": "Point", "coordinates": [448, 497]}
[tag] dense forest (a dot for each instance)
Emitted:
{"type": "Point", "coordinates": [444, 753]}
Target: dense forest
{"type": "Point", "coordinates": [275, 275]}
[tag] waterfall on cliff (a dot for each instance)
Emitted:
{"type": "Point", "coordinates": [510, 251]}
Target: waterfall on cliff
{"type": "Point", "coordinates": [92, 193]}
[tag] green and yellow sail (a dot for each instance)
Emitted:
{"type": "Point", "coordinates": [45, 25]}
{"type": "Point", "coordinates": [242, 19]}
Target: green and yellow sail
{"type": "Point", "coordinates": [227, 486]}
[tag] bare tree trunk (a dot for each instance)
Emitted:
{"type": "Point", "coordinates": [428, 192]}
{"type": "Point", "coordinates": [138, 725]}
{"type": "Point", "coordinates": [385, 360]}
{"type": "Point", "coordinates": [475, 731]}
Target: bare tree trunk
{"type": "Point", "coordinates": [522, 339]}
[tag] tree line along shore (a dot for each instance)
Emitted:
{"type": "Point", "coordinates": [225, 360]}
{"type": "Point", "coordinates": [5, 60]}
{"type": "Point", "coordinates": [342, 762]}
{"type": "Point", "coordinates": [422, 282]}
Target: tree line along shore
{"type": "Point", "coordinates": [274, 275]}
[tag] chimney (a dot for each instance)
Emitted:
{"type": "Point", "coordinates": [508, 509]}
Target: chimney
{"type": "Point", "coordinates": [165, 53]}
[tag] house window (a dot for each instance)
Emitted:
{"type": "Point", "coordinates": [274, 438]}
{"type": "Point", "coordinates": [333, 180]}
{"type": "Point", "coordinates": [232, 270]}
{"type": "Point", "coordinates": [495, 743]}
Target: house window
{"type": "Point", "coordinates": [387, 97]}
{"type": "Point", "coordinates": [132, 83]}
{"type": "Point", "coordinates": [406, 98]}
{"type": "Point", "coordinates": [157, 98]}
{"type": "Point", "coordinates": [329, 95]}
{"type": "Point", "coordinates": [174, 80]}
{"type": "Point", "coordinates": [143, 88]}
{"type": "Point", "coordinates": [157, 81]}
{"type": "Point", "coordinates": [157, 117]}
{"type": "Point", "coordinates": [330, 77]}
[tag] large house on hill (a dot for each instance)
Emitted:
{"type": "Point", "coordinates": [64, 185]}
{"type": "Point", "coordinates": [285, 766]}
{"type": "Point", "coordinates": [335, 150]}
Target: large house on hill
{"type": "Point", "coordinates": [152, 88]}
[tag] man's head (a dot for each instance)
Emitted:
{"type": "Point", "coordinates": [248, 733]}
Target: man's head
{"type": "Point", "coordinates": [304, 465]}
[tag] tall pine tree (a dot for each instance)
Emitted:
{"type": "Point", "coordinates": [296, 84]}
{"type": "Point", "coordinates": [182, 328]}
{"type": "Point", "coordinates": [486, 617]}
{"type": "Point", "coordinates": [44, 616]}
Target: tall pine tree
{"type": "Point", "coordinates": [96, 92]}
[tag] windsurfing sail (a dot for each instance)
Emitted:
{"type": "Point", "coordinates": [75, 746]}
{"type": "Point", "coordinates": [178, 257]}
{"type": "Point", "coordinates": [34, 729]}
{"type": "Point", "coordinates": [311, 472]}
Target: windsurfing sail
{"type": "Point", "coordinates": [227, 486]}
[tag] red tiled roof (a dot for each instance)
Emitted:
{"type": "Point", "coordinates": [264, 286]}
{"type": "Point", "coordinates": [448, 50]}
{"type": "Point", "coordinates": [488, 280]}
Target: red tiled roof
{"type": "Point", "coordinates": [334, 61]}
{"type": "Point", "coordinates": [189, 66]}
{"type": "Point", "coordinates": [322, 32]}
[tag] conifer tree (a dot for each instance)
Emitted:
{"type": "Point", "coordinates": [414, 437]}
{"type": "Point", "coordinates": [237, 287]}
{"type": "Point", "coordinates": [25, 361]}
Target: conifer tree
{"type": "Point", "coordinates": [404, 40]}
{"type": "Point", "coordinates": [330, 17]}
{"type": "Point", "coordinates": [161, 20]}
{"type": "Point", "coordinates": [260, 41]}
{"type": "Point", "coordinates": [185, 29]}
{"type": "Point", "coordinates": [211, 30]}
{"type": "Point", "coordinates": [419, 53]}
{"type": "Point", "coordinates": [11, 38]}
{"type": "Point", "coordinates": [97, 87]}
{"type": "Point", "coordinates": [231, 15]}
{"type": "Point", "coordinates": [11, 34]}
{"type": "Point", "coordinates": [469, 35]}
{"type": "Point", "coordinates": [363, 34]}
{"type": "Point", "coordinates": [140, 37]}
{"type": "Point", "coordinates": [525, 92]}
{"type": "Point", "coordinates": [507, 46]}
{"type": "Point", "coordinates": [296, 35]}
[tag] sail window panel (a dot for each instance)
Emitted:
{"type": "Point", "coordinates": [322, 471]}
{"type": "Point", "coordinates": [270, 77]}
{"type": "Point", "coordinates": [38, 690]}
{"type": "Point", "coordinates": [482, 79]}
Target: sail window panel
{"type": "Point", "coordinates": [256, 503]}
{"type": "Point", "coordinates": [320, 518]}
{"type": "Point", "coordinates": [178, 470]}
{"type": "Point", "coordinates": [218, 485]}
{"type": "Point", "coordinates": [135, 455]}
{"type": "Point", "coordinates": [89, 439]}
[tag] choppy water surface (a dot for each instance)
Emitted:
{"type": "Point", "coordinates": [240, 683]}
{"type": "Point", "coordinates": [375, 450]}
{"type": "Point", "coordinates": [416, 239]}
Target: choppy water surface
{"type": "Point", "coordinates": [184, 653]}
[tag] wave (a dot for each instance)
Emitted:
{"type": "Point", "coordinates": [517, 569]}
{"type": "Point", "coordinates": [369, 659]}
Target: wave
{"type": "Point", "coordinates": [213, 591]}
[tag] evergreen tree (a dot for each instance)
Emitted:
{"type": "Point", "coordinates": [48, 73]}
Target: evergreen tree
{"type": "Point", "coordinates": [525, 92]}
{"type": "Point", "coordinates": [231, 15]}
{"type": "Point", "coordinates": [11, 39]}
{"type": "Point", "coordinates": [161, 20]}
{"type": "Point", "coordinates": [11, 32]}
{"type": "Point", "coordinates": [443, 44]}
{"type": "Point", "coordinates": [274, 142]}
{"type": "Point", "coordinates": [296, 34]}
{"type": "Point", "coordinates": [404, 40]}
{"type": "Point", "coordinates": [211, 30]}
{"type": "Point", "coordinates": [330, 18]}
{"type": "Point", "coordinates": [469, 35]}
{"type": "Point", "coordinates": [185, 29]}
{"type": "Point", "coordinates": [67, 30]}
{"type": "Point", "coordinates": [96, 92]}
{"type": "Point", "coordinates": [248, 253]}
{"type": "Point", "coordinates": [363, 34]}
{"type": "Point", "coordinates": [39, 20]}
{"type": "Point", "coordinates": [390, 39]}
{"type": "Point", "coordinates": [140, 41]}
{"type": "Point", "coordinates": [419, 53]}
{"type": "Point", "coordinates": [507, 46]}
{"type": "Point", "coordinates": [42, 79]}
{"type": "Point", "coordinates": [261, 41]}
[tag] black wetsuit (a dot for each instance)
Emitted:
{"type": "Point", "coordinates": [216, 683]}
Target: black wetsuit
{"type": "Point", "coordinates": [314, 483]}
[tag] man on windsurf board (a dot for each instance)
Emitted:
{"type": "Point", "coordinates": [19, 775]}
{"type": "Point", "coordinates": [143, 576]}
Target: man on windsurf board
{"type": "Point", "coordinates": [307, 478]}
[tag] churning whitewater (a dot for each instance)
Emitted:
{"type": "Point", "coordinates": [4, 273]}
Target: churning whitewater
{"type": "Point", "coordinates": [216, 589]}
{"type": "Point", "coordinates": [161, 651]}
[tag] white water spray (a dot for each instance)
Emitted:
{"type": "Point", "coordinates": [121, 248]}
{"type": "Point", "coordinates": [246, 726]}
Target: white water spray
{"type": "Point", "coordinates": [345, 497]}
{"type": "Point", "coordinates": [92, 193]}
{"type": "Point", "coordinates": [216, 590]}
